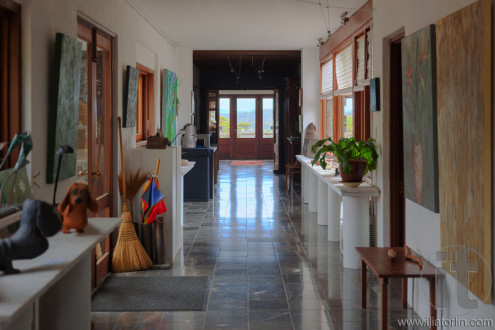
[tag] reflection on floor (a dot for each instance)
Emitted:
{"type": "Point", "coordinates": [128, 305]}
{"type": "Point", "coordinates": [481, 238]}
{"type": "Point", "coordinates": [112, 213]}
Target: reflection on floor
{"type": "Point", "coordinates": [270, 263]}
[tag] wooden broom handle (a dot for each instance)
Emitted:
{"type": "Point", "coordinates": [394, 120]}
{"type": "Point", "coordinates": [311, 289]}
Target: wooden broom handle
{"type": "Point", "coordinates": [122, 158]}
{"type": "Point", "coordinates": [157, 166]}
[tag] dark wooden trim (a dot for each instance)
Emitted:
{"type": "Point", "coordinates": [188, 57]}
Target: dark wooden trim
{"type": "Point", "coordinates": [10, 5]}
{"type": "Point", "coordinates": [10, 79]}
{"type": "Point", "coordinates": [148, 100]}
{"type": "Point", "coordinates": [356, 24]}
{"type": "Point", "coordinates": [396, 165]}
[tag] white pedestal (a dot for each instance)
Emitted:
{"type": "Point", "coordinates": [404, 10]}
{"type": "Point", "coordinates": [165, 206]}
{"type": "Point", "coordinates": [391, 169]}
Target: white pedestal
{"type": "Point", "coordinates": [333, 207]}
{"type": "Point", "coordinates": [322, 203]}
{"type": "Point", "coordinates": [305, 184]}
{"type": "Point", "coordinates": [313, 193]}
{"type": "Point", "coordinates": [356, 228]}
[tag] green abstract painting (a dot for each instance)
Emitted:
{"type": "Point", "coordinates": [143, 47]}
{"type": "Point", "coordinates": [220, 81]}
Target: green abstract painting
{"type": "Point", "coordinates": [419, 105]}
{"type": "Point", "coordinates": [131, 96]}
{"type": "Point", "coordinates": [169, 104]}
{"type": "Point", "coordinates": [64, 110]}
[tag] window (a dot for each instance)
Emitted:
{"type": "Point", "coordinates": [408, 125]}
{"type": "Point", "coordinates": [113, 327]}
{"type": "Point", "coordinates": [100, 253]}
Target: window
{"type": "Point", "coordinates": [268, 117]}
{"type": "Point", "coordinates": [144, 117]}
{"type": "Point", "coordinates": [10, 75]}
{"type": "Point", "coordinates": [345, 116]}
{"type": "Point", "coordinates": [345, 75]}
{"type": "Point", "coordinates": [224, 118]}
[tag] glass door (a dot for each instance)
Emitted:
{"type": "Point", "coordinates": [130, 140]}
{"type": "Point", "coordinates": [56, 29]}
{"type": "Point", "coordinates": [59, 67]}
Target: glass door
{"type": "Point", "coordinates": [246, 132]}
{"type": "Point", "coordinates": [225, 141]}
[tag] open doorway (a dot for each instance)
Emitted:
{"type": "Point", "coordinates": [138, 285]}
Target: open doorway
{"type": "Point", "coordinates": [397, 197]}
{"type": "Point", "coordinates": [246, 129]}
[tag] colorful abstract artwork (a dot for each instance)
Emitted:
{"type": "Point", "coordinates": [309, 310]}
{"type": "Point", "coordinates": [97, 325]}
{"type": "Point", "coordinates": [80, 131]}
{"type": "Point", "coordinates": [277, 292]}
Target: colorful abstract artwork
{"type": "Point", "coordinates": [131, 96]}
{"type": "Point", "coordinates": [420, 118]}
{"type": "Point", "coordinates": [169, 104]}
{"type": "Point", "coordinates": [64, 110]}
{"type": "Point", "coordinates": [464, 144]}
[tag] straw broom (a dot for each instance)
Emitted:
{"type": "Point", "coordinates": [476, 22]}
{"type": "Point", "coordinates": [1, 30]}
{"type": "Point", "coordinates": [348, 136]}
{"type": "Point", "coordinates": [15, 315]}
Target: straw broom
{"type": "Point", "coordinates": [129, 254]}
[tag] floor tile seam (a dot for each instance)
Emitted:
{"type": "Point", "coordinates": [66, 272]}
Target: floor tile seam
{"type": "Point", "coordinates": [195, 236]}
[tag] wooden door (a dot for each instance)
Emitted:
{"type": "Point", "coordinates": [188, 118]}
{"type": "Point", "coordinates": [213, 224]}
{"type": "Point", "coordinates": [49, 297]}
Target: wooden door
{"type": "Point", "coordinates": [397, 197]}
{"type": "Point", "coordinates": [94, 145]}
{"type": "Point", "coordinates": [225, 128]}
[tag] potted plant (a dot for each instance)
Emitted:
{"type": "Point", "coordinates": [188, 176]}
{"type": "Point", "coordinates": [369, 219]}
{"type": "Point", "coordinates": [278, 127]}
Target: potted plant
{"type": "Point", "coordinates": [355, 158]}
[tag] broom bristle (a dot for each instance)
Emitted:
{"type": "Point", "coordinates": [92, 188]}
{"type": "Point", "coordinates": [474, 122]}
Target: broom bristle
{"type": "Point", "coordinates": [129, 254]}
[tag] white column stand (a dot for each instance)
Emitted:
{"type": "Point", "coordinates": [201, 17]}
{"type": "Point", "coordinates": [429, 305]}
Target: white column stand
{"type": "Point", "coordinates": [322, 202]}
{"type": "Point", "coordinates": [356, 228]}
{"type": "Point", "coordinates": [306, 178]}
{"type": "Point", "coordinates": [312, 192]}
{"type": "Point", "coordinates": [333, 208]}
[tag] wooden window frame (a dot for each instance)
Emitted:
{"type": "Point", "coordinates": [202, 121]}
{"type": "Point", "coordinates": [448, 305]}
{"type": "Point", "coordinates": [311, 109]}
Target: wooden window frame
{"type": "Point", "coordinates": [148, 101]}
{"type": "Point", "coordinates": [10, 75]}
{"type": "Point", "coordinates": [358, 25]}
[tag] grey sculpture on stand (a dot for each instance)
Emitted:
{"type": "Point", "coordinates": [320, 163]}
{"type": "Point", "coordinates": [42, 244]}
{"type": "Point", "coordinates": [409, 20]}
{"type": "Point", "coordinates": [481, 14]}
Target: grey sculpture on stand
{"type": "Point", "coordinates": [38, 222]}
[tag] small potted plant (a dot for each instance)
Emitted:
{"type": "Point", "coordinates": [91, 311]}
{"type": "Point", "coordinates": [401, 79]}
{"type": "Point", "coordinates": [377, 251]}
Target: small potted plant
{"type": "Point", "coordinates": [355, 158]}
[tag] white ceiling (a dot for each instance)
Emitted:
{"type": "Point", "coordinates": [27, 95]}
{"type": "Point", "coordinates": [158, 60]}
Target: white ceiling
{"type": "Point", "coordinates": [245, 24]}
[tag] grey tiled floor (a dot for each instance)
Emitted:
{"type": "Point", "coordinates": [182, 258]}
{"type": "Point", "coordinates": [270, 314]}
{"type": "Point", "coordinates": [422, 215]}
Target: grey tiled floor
{"type": "Point", "coordinates": [270, 264]}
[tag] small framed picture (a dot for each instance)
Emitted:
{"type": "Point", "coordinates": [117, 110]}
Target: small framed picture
{"type": "Point", "coordinates": [375, 94]}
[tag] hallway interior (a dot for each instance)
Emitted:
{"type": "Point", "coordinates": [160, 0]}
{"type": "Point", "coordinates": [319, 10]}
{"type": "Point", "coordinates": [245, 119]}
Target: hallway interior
{"type": "Point", "coordinates": [269, 262]}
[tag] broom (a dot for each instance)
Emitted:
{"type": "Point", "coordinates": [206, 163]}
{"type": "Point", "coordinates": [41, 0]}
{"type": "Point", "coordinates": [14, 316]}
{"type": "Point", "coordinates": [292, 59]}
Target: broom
{"type": "Point", "coordinates": [129, 255]}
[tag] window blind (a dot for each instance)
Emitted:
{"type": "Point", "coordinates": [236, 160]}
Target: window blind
{"type": "Point", "coordinates": [343, 68]}
{"type": "Point", "coordinates": [327, 77]}
{"type": "Point", "coordinates": [368, 38]}
{"type": "Point", "coordinates": [360, 59]}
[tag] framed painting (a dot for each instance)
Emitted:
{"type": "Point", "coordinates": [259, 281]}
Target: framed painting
{"type": "Point", "coordinates": [64, 109]}
{"type": "Point", "coordinates": [131, 91]}
{"type": "Point", "coordinates": [419, 107]}
{"type": "Point", "coordinates": [169, 103]}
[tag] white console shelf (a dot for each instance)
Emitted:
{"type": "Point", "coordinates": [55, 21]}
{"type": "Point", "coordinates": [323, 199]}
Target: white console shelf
{"type": "Point", "coordinates": [53, 290]}
{"type": "Point", "coordinates": [324, 192]}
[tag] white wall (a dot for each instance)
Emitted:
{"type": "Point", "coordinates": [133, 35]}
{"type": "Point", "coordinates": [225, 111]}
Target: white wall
{"type": "Point", "coordinates": [422, 225]}
{"type": "Point", "coordinates": [135, 40]}
{"type": "Point", "coordinates": [185, 72]}
{"type": "Point", "coordinates": [310, 82]}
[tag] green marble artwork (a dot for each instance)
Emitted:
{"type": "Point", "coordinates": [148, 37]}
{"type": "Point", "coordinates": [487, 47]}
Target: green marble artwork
{"type": "Point", "coordinates": [131, 96]}
{"type": "Point", "coordinates": [169, 104]}
{"type": "Point", "coordinates": [64, 110]}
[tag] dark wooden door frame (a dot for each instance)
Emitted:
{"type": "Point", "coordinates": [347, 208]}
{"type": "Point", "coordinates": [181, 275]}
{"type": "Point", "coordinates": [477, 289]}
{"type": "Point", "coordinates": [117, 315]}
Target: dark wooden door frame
{"type": "Point", "coordinates": [397, 197]}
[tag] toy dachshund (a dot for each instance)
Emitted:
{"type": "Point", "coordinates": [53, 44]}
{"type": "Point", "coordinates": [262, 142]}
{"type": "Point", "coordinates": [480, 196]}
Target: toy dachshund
{"type": "Point", "coordinates": [73, 207]}
{"type": "Point", "coordinates": [39, 220]}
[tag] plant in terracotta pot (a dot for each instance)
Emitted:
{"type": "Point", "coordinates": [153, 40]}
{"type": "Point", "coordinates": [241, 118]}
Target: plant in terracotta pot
{"type": "Point", "coordinates": [355, 158]}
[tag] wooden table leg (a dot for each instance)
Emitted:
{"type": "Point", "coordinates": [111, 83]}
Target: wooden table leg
{"type": "Point", "coordinates": [384, 282]}
{"type": "Point", "coordinates": [363, 284]}
{"type": "Point", "coordinates": [433, 303]}
{"type": "Point", "coordinates": [404, 292]}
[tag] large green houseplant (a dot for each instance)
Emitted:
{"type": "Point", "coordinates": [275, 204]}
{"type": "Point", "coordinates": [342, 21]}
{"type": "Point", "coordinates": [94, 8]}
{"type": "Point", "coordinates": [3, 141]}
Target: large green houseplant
{"type": "Point", "coordinates": [352, 155]}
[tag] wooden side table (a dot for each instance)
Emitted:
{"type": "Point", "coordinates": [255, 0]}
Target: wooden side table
{"type": "Point", "coordinates": [376, 258]}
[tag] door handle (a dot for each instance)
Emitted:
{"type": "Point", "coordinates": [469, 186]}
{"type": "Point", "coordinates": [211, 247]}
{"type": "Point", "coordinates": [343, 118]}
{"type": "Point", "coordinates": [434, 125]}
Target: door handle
{"type": "Point", "coordinates": [83, 173]}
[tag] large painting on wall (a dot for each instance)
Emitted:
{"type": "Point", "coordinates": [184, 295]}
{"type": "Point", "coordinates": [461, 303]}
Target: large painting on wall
{"type": "Point", "coordinates": [64, 110]}
{"type": "Point", "coordinates": [169, 103]}
{"type": "Point", "coordinates": [464, 144]}
{"type": "Point", "coordinates": [419, 118]}
{"type": "Point", "coordinates": [131, 96]}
